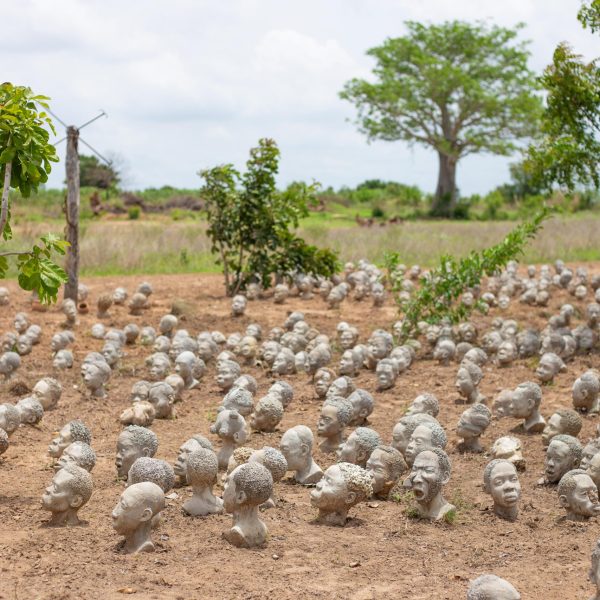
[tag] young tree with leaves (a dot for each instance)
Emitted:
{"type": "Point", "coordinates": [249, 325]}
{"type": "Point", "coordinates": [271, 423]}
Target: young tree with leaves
{"type": "Point", "coordinates": [459, 88]}
{"type": "Point", "coordinates": [25, 162]}
{"type": "Point", "coordinates": [568, 153]}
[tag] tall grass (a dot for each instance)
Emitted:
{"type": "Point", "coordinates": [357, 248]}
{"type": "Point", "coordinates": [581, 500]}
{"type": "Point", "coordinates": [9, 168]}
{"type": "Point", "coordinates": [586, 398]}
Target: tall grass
{"type": "Point", "coordinates": [165, 246]}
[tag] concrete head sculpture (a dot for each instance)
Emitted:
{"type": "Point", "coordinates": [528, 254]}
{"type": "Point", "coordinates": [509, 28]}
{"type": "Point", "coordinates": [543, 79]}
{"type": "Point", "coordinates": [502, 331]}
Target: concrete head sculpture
{"type": "Point", "coordinates": [578, 495]}
{"type": "Point", "coordinates": [589, 451]}
{"type": "Point", "coordinates": [275, 462]}
{"type": "Point", "coordinates": [322, 380]}
{"type": "Point", "coordinates": [525, 404]}
{"type": "Point", "coordinates": [140, 413]}
{"type": "Point", "coordinates": [231, 427]}
{"type": "Point", "coordinates": [283, 391]}
{"type": "Point", "coordinates": [202, 469]}
{"type": "Point", "coordinates": [426, 435]}
{"type": "Point", "coordinates": [429, 474]}
{"type": "Point", "coordinates": [562, 455]}
{"type": "Point", "coordinates": [358, 447]}
{"type": "Point", "coordinates": [385, 465]}
{"type": "Point", "coordinates": [24, 345]}
{"type": "Point", "coordinates": [280, 293]}
{"type": "Point", "coordinates": [268, 352]}
{"type": "Point", "coordinates": [10, 418]}
{"type": "Point", "coordinates": [133, 443]}
{"type": "Point", "coordinates": [74, 431]}
{"type": "Point", "coordinates": [30, 410]}
{"type": "Point", "coordinates": [79, 454]}
{"type": "Point", "coordinates": [95, 376]}
{"type": "Point", "coordinates": [424, 403]}
{"type": "Point", "coordinates": [132, 332]}
{"type": "Point", "coordinates": [21, 322]}
{"type": "Point", "coordinates": [238, 305]}
{"type": "Point", "coordinates": [155, 470]}
{"type": "Point", "coordinates": [103, 304]}
{"type": "Point", "coordinates": [284, 363]}
{"type": "Point", "coordinates": [549, 366]}
{"type": "Point", "coordinates": [247, 487]}
{"type": "Point", "coordinates": [162, 396]}
{"type": "Point", "coordinates": [444, 351]}
{"type": "Point", "coordinates": [501, 481]}
{"type": "Point", "coordinates": [147, 336]}
{"type": "Point", "coordinates": [267, 414]}
{"type": "Point", "coordinates": [362, 406]}
{"type": "Point", "coordinates": [9, 363]}
{"type": "Point", "coordinates": [190, 368]}
{"type": "Point", "coordinates": [296, 446]}
{"type": "Point", "coordinates": [159, 365]}
{"type": "Point", "coordinates": [403, 430]}
{"type": "Point", "coordinates": [491, 587]}
{"type": "Point", "coordinates": [132, 516]}
{"type": "Point", "coordinates": [227, 372]}
{"type": "Point", "coordinates": [340, 387]}
{"type": "Point", "coordinates": [63, 359]}
{"type": "Point", "coordinates": [562, 421]}
{"type": "Point", "coordinates": [196, 442]}
{"type": "Point", "coordinates": [586, 392]}
{"type": "Point", "coordinates": [509, 448]}
{"type": "Point", "coordinates": [335, 416]}
{"type": "Point", "coordinates": [70, 490]}
{"type": "Point", "coordinates": [239, 399]}
{"type": "Point", "coordinates": [342, 486]}
{"type": "Point", "coordinates": [138, 303]}
{"type": "Point", "coordinates": [471, 425]}
{"type": "Point", "coordinates": [386, 374]}
{"type": "Point", "coordinates": [468, 378]}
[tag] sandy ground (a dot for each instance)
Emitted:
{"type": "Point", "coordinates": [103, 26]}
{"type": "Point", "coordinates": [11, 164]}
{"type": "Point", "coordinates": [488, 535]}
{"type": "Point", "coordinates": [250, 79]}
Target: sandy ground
{"type": "Point", "coordinates": [381, 553]}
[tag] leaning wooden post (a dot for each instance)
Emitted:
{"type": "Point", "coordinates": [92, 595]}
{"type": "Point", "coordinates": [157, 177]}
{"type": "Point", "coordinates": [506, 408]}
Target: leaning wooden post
{"type": "Point", "coordinates": [72, 213]}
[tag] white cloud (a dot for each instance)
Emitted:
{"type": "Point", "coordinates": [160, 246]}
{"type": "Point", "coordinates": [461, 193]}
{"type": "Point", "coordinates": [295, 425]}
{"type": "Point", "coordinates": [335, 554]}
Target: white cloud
{"type": "Point", "coordinates": [195, 83]}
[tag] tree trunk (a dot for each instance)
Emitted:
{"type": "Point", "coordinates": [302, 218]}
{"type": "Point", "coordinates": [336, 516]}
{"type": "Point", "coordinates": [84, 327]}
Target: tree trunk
{"type": "Point", "coordinates": [444, 200]}
{"type": "Point", "coordinates": [72, 213]}
{"type": "Point", "coordinates": [5, 190]}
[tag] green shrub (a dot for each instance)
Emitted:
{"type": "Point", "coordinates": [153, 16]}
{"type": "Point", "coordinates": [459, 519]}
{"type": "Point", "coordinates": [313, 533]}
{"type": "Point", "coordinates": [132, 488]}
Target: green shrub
{"type": "Point", "coordinates": [133, 213]}
{"type": "Point", "coordinates": [378, 212]}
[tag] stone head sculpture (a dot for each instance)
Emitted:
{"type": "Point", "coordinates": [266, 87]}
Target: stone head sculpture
{"type": "Point", "coordinates": [507, 353]}
{"type": "Point", "coordinates": [132, 332]}
{"type": "Point", "coordinates": [296, 446]}
{"type": "Point", "coordinates": [190, 368]}
{"type": "Point", "coordinates": [380, 344]}
{"type": "Point", "coordinates": [111, 351]}
{"type": "Point", "coordinates": [248, 349]}
{"type": "Point", "coordinates": [562, 421]}
{"type": "Point", "coordinates": [119, 296]}
{"type": "Point", "coordinates": [335, 416]}
{"type": "Point", "coordinates": [562, 455]}
{"type": "Point", "coordinates": [103, 303]}
{"type": "Point", "coordinates": [426, 435]}
{"type": "Point", "coordinates": [9, 363]}
{"type": "Point", "coordinates": [21, 322]}
{"type": "Point", "coordinates": [340, 387]}
{"type": "Point", "coordinates": [133, 443]}
{"type": "Point", "coordinates": [269, 351]}
{"type": "Point", "coordinates": [280, 293]}
{"type": "Point", "coordinates": [79, 454]}
{"type": "Point", "coordinates": [586, 392]}
{"type": "Point", "coordinates": [491, 587]}
{"type": "Point", "coordinates": [424, 403]}
{"type": "Point", "coordinates": [140, 413]}
{"type": "Point", "coordinates": [477, 356]}
{"type": "Point", "coordinates": [147, 336]}
{"type": "Point", "coordinates": [342, 486]}
{"type": "Point", "coordinates": [162, 396]}
{"type": "Point", "coordinates": [578, 495]}
{"type": "Point", "coordinates": [95, 375]}
{"type": "Point", "coordinates": [323, 379]}
{"type": "Point", "coordinates": [386, 374]}
{"type": "Point", "coordinates": [385, 465]}
{"type": "Point", "coordinates": [238, 399]}
{"type": "Point", "coordinates": [137, 303]}
{"type": "Point", "coordinates": [444, 351]}
{"type": "Point", "coordinates": [275, 462]}
{"type": "Point", "coordinates": [525, 404]}
{"type": "Point", "coordinates": [348, 337]}
{"type": "Point", "coordinates": [231, 427]}
{"type": "Point", "coordinates": [468, 378]}
{"type": "Point", "coordinates": [159, 365]}
{"type": "Point", "coordinates": [349, 364]}
{"type": "Point", "coordinates": [247, 487]}
{"type": "Point", "coordinates": [267, 414]}
{"type": "Point", "coordinates": [30, 410]}
{"type": "Point", "coordinates": [24, 345]}
{"type": "Point", "coordinates": [70, 490]}
{"type": "Point", "coordinates": [4, 297]}
{"type": "Point", "coordinates": [167, 325]}
{"type": "Point", "coordinates": [471, 425]}
{"type": "Point", "coordinates": [202, 468]}
{"type": "Point", "coordinates": [284, 363]}
{"type": "Point", "coordinates": [155, 470]}
{"type": "Point", "coordinates": [404, 428]}
{"type": "Point", "coordinates": [74, 431]}
{"type": "Point", "coordinates": [10, 418]}
{"type": "Point", "coordinates": [429, 474]}
{"type": "Point", "coordinates": [132, 516]}
{"type": "Point", "coordinates": [139, 391]}
{"type": "Point", "coordinates": [63, 359]}
{"type": "Point", "coordinates": [549, 366]}
{"type": "Point", "coordinates": [363, 404]}
{"type": "Point", "coordinates": [227, 372]}
{"type": "Point", "coordinates": [509, 448]}
{"type": "Point", "coordinates": [589, 451]}
{"type": "Point", "coordinates": [283, 391]}
{"type": "Point", "coordinates": [501, 481]}
{"type": "Point", "coordinates": [238, 305]}
{"type": "Point", "coordinates": [358, 447]}
{"type": "Point", "coordinates": [98, 331]}
{"type": "Point", "coordinates": [196, 442]}
{"type": "Point", "coordinates": [528, 343]}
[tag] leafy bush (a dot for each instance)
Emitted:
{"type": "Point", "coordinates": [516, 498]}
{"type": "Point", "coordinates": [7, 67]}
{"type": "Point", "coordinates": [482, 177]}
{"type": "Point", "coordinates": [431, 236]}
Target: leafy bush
{"type": "Point", "coordinates": [378, 212]}
{"type": "Point", "coordinates": [133, 213]}
{"type": "Point", "coordinates": [250, 221]}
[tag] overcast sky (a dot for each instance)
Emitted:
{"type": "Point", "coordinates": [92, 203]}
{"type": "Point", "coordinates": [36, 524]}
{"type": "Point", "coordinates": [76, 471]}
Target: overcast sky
{"type": "Point", "coordinates": [188, 84]}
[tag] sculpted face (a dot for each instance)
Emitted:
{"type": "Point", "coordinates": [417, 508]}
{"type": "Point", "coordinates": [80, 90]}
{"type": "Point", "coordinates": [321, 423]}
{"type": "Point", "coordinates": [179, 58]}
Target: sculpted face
{"type": "Point", "coordinates": [553, 427]}
{"type": "Point", "coordinates": [385, 377]}
{"type": "Point", "coordinates": [583, 499]}
{"type": "Point", "coordinates": [346, 339]}
{"type": "Point", "coordinates": [426, 477]}
{"type": "Point", "coordinates": [467, 427]}
{"type": "Point", "coordinates": [322, 383]}
{"type": "Point", "coordinates": [91, 375]}
{"type": "Point", "coordinates": [58, 444]}
{"type": "Point", "coordinates": [127, 453]}
{"type": "Point", "coordinates": [129, 513]}
{"type": "Point", "coordinates": [330, 492]}
{"type": "Point", "coordinates": [464, 383]}
{"type": "Point", "coordinates": [419, 440]}
{"type": "Point", "coordinates": [346, 363]}
{"type": "Point", "coordinates": [225, 377]}
{"type": "Point", "coordinates": [232, 499]}
{"type": "Point", "coordinates": [180, 466]}
{"type": "Point", "coordinates": [558, 461]}
{"type": "Point", "coordinates": [545, 370]}
{"type": "Point", "coordinates": [417, 407]}
{"type": "Point", "coordinates": [159, 368]}
{"type": "Point", "coordinates": [349, 450]}
{"type": "Point", "coordinates": [280, 364]}
{"type": "Point", "coordinates": [294, 451]}
{"type": "Point", "coordinates": [58, 496]}
{"type": "Point", "coordinates": [71, 456]}
{"type": "Point", "coordinates": [378, 347]}
{"type": "Point", "coordinates": [328, 424]}
{"type": "Point", "coordinates": [520, 404]}
{"type": "Point", "coordinates": [504, 485]}
{"type": "Point", "coordinates": [270, 351]}
{"type": "Point", "coordinates": [377, 466]}
{"type": "Point", "coordinates": [260, 419]}
{"type": "Point", "coordinates": [400, 437]}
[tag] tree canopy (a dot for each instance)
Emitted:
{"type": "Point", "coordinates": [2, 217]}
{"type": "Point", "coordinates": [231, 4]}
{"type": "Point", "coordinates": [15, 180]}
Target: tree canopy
{"type": "Point", "coordinates": [568, 153]}
{"type": "Point", "coordinates": [93, 173]}
{"type": "Point", "coordinates": [459, 88]}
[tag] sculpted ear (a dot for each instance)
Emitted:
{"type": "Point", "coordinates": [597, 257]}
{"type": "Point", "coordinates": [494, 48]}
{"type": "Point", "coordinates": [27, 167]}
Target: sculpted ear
{"type": "Point", "coordinates": [146, 515]}
{"type": "Point", "coordinates": [563, 501]}
{"type": "Point", "coordinates": [241, 497]}
{"type": "Point", "coordinates": [76, 501]}
{"type": "Point", "coordinates": [350, 497]}
{"type": "Point", "coordinates": [304, 450]}
{"type": "Point", "coordinates": [146, 452]}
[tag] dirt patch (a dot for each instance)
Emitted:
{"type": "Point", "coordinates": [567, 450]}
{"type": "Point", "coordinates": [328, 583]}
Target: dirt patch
{"type": "Point", "coordinates": [381, 553]}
